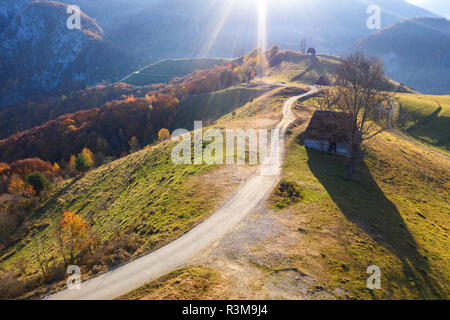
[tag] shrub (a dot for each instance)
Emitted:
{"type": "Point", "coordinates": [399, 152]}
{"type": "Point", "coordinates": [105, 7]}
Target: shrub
{"type": "Point", "coordinates": [134, 145]}
{"type": "Point", "coordinates": [287, 193]}
{"type": "Point", "coordinates": [163, 134]}
{"type": "Point", "coordinates": [113, 252]}
{"type": "Point", "coordinates": [11, 286]}
{"type": "Point", "coordinates": [83, 163]}
{"type": "Point", "coordinates": [38, 181]}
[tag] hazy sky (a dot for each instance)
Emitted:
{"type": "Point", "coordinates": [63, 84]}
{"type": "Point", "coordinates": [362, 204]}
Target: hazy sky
{"type": "Point", "coordinates": [441, 7]}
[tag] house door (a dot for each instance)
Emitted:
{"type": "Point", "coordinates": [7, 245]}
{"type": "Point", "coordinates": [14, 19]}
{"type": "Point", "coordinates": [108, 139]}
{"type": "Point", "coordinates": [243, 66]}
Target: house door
{"type": "Point", "coordinates": [332, 147]}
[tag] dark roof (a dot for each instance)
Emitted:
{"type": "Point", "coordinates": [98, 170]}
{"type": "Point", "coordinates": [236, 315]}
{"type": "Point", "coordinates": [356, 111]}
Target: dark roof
{"type": "Point", "coordinates": [329, 126]}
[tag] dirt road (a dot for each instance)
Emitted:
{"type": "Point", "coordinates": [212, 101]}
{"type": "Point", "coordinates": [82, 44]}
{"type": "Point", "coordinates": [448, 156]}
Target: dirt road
{"type": "Point", "coordinates": [176, 254]}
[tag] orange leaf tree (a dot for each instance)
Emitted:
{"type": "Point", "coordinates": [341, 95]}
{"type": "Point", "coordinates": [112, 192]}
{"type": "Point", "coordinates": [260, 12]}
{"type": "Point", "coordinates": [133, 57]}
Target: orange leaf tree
{"type": "Point", "coordinates": [163, 134]}
{"type": "Point", "coordinates": [72, 235]}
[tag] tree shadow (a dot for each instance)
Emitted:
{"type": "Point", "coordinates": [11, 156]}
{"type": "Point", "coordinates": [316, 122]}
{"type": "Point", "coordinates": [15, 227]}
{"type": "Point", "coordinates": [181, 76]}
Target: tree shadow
{"type": "Point", "coordinates": [430, 118]}
{"type": "Point", "coordinates": [364, 204]}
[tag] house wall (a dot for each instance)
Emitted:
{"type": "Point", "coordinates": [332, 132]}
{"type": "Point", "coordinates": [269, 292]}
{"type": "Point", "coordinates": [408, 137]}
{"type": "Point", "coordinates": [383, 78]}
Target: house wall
{"type": "Point", "coordinates": [317, 145]}
{"type": "Point", "coordinates": [341, 149]}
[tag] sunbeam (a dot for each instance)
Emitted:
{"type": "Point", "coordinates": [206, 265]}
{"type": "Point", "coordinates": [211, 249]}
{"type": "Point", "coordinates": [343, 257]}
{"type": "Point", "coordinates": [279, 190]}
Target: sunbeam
{"type": "Point", "coordinates": [219, 23]}
{"type": "Point", "coordinates": [262, 24]}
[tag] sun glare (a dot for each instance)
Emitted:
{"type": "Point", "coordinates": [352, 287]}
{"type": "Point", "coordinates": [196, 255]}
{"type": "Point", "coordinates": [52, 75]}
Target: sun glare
{"type": "Point", "coordinates": [262, 24]}
{"type": "Point", "coordinates": [218, 21]}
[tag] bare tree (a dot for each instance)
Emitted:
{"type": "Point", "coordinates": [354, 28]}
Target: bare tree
{"type": "Point", "coordinates": [42, 260]}
{"type": "Point", "coordinates": [360, 92]}
{"type": "Point", "coordinates": [60, 240]}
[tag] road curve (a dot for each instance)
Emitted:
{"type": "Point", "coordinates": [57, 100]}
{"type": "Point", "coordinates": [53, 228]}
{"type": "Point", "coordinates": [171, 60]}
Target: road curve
{"type": "Point", "coordinates": [177, 253]}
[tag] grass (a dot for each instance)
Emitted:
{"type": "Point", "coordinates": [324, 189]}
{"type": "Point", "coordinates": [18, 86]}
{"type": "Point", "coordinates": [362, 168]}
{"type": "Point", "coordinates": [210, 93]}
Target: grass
{"type": "Point", "coordinates": [144, 193]}
{"type": "Point", "coordinates": [267, 104]}
{"type": "Point", "coordinates": [163, 71]}
{"type": "Point", "coordinates": [297, 68]}
{"type": "Point", "coordinates": [188, 283]}
{"type": "Point", "coordinates": [304, 69]}
{"type": "Point", "coordinates": [211, 107]}
{"type": "Point", "coordinates": [426, 118]}
{"type": "Point", "coordinates": [395, 215]}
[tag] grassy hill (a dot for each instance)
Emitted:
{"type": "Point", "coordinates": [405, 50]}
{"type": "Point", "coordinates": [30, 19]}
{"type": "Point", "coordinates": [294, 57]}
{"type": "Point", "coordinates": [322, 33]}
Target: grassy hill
{"type": "Point", "coordinates": [163, 71]}
{"type": "Point", "coordinates": [211, 107]}
{"type": "Point", "coordinates": [295, 67]}
{"type": "Point", "coordinates": [143, 198]}
{"type": "Point", "coordinates": [426, 118]}
{"type": "Point", "coordinates": [137, 203]}
{"type": "Point", "coordinates": [394, 215]}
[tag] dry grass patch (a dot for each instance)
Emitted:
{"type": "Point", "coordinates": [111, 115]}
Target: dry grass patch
{"type": "Point", "coordinates": [188, 283]}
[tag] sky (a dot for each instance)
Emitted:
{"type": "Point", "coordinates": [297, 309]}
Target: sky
{"type": "Point", "coordinates": [440, 7]}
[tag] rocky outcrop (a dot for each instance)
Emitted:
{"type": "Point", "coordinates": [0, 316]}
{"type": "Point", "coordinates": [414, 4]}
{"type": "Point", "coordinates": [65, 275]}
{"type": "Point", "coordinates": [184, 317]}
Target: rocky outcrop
{"type": "Point", "coordinates": [39, 53]}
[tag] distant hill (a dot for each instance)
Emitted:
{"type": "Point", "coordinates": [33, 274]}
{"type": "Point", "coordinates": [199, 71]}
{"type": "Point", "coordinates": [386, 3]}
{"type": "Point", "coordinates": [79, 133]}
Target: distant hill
{"type": "Point", "coordinates": [219, 28]}
{"type": "Point", "coordinates": [416, 52]}
{"type": "Point", "coordinates": [163, 71]}
{"type": "Point", "coordinates": [296, 67]}
{"type": "Point", "coordinates": [108, 127]}
{"type": "Point", "coordinates": [139, 32]}
{"type": "Point", "coordinates": [293, 66]}
{"type": "Point", "coordinates": [38, 53]}
{"type": "Point", "coordinates": [157, 29]}
{"type": "Point", "coordinates": [27, 114]}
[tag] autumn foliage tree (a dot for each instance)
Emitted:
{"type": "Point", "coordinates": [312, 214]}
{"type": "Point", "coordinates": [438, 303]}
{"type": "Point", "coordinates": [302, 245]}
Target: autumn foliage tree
{"type": "Point", "coordinates": [134, 145]}
{"type": "Point", "coordinates": [38, 181]}
{"type": "Point", "coordinates": [24, 115]}
{"type": "Point", "coordinates": [16, 185]}
{"type": "Point", "coordinates": [255, 63]}
{"type": "Point", "coordinates": [163, 134]}
{"type": "Point", "coordinates": [84, 161]}
{"type": "Point", "coordinates": [108, 121]}
{"type": "Point", "coordinates": [12, 175]}
{"type": "Point", "coordinates": [72, 235]}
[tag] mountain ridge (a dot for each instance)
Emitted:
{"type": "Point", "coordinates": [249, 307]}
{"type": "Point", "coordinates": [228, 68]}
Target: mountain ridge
{"type": "Point", "coordinates": [415, 51]}
{"type": "Point", "coordinates": [38, 53]}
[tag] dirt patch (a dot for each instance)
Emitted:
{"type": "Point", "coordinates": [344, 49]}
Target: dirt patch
{"type": "Point", "coordinates": [258, 261]}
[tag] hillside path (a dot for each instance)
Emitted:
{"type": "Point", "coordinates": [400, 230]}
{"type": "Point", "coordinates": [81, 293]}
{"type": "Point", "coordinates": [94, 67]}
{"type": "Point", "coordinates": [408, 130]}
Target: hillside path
{"type": "Point", "coordinates": [178, 253]}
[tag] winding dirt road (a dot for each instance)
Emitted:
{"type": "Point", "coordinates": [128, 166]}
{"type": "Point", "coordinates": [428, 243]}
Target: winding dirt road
{"type": "Point", "coordinates": [177, 253]}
